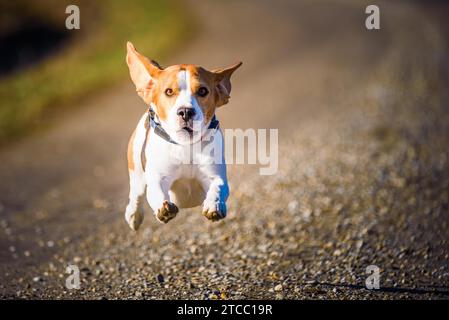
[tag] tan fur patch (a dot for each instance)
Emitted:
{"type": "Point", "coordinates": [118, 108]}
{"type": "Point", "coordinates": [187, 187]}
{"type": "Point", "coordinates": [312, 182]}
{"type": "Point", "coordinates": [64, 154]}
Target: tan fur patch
{"type": "Point", "coordinates": [143, 158]}
{"type": "Point", "coordinates": [167, 79]}
{"type": "Point", "coordinates": [131, 151]}
{"type": "Point", "coordinates": [203, 78]}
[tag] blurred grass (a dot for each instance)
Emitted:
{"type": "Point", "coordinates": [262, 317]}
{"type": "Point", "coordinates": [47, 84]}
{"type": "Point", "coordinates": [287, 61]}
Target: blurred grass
{"type": "Point", "coordinates": [93, 58]}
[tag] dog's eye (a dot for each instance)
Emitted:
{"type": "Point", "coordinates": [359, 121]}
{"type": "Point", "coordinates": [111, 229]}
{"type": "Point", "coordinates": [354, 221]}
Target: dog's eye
{"type": "Point", "coordinates": [169, 92]}
{"type": "Point", "coordinates": [202, 91]}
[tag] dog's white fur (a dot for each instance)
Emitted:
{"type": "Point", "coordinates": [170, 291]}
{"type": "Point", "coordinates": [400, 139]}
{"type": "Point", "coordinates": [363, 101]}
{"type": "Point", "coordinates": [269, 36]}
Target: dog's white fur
{"type": "Point", "coordinates": [168, 177]}
{"type": "Point", "coordinates": [183, 174]}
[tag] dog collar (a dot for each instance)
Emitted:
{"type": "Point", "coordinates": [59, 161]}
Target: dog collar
{"type": "Point", "coordinates": [157, 127]}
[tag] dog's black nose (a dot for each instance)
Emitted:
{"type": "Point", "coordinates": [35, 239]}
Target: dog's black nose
{"type": "Point", "coordinates": [186, 113]}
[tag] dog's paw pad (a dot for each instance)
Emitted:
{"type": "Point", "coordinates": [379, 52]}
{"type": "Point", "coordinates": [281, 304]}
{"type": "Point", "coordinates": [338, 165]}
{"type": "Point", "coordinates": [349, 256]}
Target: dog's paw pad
{"type": "Point", "coordinates": [167, 212]}
{"type": "Point", "coordinates": [135, 220]}
{"type": "Point", "coordinates": [215, 212]}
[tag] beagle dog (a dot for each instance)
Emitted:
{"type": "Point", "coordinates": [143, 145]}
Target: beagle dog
{"type": "Point", "coordinates": [176, 152]}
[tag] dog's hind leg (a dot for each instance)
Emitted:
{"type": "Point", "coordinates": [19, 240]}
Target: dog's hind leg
{"type": "Point", "coordinates": [137, 184]}
{"type": "Point", "coordinates": [134, 209]}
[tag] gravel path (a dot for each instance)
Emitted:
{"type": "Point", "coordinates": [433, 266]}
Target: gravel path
{"type": "Point", "coordinates": [363, 170]}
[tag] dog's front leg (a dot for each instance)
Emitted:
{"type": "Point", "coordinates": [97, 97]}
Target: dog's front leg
{"type": "Point", "coordinates": [214, 206]}
{"type": "Point", "coordinates": [159, 200]}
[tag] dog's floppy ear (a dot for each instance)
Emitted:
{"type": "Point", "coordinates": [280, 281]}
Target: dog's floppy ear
{"type": "Point", "coordinates": [143, 72]}
{"type": "Point", "coordinates": [223, 83]}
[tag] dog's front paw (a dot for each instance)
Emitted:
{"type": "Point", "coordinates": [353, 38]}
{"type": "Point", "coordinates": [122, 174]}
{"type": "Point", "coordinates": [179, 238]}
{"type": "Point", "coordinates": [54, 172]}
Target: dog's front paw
{"type": "Point", "coordinates": [215, 211]}
{"type": "Point", "coordinates": [167, 212]}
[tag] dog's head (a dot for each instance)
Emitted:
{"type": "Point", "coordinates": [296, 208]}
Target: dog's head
{"type": "Point", "coordinates": [184, 96]}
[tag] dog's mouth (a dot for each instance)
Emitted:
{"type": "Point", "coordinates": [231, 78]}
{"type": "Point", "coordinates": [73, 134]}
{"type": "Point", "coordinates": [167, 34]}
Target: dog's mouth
{"type": "Point", "coordinates": [186, 133]}
{"type": "Point", "coordinates": [188, 130]}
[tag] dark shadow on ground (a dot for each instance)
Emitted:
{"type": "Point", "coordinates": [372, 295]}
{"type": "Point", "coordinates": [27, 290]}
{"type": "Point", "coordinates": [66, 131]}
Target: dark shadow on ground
{"type": "Point", "coordinates": [435, 291]}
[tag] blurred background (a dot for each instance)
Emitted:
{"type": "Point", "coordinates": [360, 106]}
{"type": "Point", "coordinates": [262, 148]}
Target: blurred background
{"type": "Point", "coordinates": [44, 62]}
{"type": "Point", "coordinates": [363, 150]}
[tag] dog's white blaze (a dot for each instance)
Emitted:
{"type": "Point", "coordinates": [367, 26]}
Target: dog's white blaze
{"type": "Point", "coordinates": [186, 97]}
{"type": "Point", "coordinates": [183, 80]}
